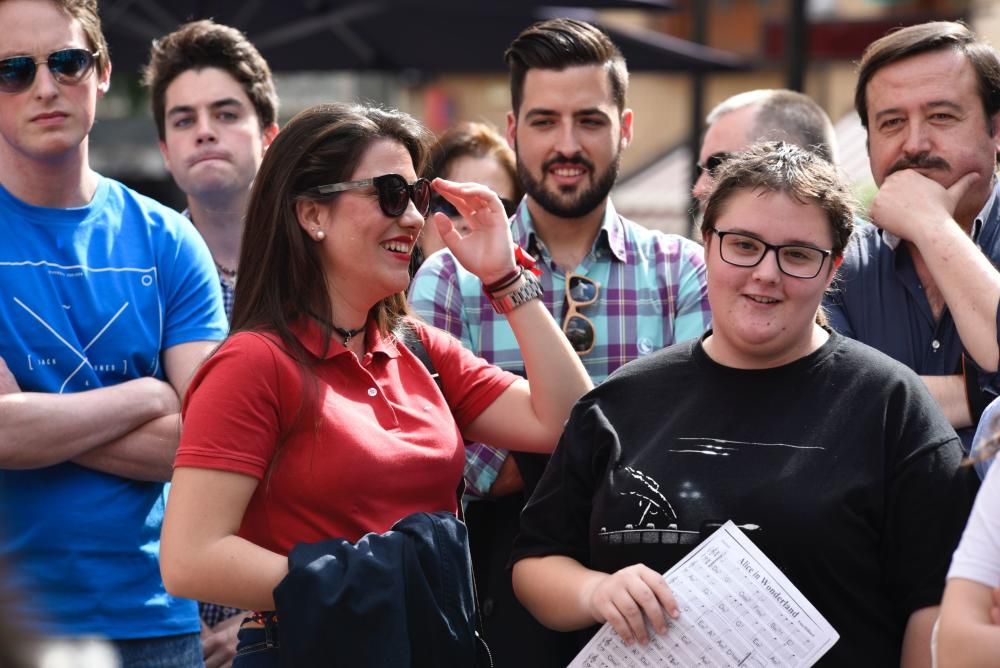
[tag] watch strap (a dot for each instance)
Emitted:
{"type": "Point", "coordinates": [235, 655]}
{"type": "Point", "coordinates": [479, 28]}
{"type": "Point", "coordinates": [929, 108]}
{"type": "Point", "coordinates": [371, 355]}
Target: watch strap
{"type": "Point", "coordinates": [528, 290]}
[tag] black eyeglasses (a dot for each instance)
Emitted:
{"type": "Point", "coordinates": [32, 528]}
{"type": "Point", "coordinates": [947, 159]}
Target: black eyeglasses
{"type": "Point", "coordinates": [795, 260]}
{"type": "Point", "coordinates": [578, 328]}
{"type": "Point", "coordinates": [713, 162]}
{"type": "Point", "coordinates": [440, 204]}
{"type": "Point", "coordinates": [68, 67]}
{"type": "Point", "coordinates": [394, 193]}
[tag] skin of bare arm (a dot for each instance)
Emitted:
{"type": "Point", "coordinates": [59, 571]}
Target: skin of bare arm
{"type": "Point", "coordinates": [201, 557]}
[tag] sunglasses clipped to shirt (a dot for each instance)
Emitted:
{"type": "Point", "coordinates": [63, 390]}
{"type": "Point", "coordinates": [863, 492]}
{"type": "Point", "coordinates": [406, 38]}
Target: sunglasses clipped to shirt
{"type": "Point", "coordinates": [394, 193]}
{"type": "Point", "coordinates": [67, 66]}
{"type": "Point", "coordinates": [579, 329]}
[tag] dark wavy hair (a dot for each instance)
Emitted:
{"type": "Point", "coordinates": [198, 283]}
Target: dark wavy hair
{"type": "Point", "coordinates": [322, 144]}
{"type": "Point", "coordinates": [200, 44]}
{"type": "Point", "coordinates": [560, 43]}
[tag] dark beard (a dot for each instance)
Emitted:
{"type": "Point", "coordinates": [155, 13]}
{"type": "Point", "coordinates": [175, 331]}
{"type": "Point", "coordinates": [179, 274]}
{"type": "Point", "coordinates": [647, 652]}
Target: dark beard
{"type": "Point", "coordinates": [585, 202]}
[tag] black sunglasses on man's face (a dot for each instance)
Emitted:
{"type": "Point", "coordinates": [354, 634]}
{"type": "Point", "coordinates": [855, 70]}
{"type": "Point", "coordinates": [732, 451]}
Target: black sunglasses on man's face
{"type": "Point", "coordinates": [713, 162]}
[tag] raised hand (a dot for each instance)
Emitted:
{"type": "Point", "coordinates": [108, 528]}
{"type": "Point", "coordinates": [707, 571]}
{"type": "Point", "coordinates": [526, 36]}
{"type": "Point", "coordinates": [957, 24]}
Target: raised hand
{"type": "Point", "coordinates": [487, 249]}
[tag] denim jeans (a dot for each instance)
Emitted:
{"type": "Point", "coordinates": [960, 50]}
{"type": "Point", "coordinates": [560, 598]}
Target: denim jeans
{"type": "Point", "coordinates": [183, 651]}
{"type": "Point", "coordinates": [257, 647]}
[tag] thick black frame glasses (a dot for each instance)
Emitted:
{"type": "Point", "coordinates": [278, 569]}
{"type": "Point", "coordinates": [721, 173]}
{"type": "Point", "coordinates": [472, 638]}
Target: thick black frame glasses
{"type": "Point", "coordinates": [68, 67]}
{"type": "Point", "coordinates": [394, 193]}
{"type": "Point", "coordinates": [743, 250]}
{"type": "Point", "coordinates": [713, 162]}
{"type": "Point", "coordinates": [440, 204]}
{"type": "Point", "coordinates": [579, 329]}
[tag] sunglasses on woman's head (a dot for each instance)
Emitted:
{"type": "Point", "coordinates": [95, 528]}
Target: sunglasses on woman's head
{"type": "Point", "coordinates": [67, 66]}
{"type": "Point", "coordinates": [394, 193]}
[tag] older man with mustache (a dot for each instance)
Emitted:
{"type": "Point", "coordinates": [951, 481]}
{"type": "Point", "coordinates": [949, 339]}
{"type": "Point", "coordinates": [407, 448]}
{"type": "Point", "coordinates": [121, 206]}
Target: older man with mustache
{"type": "Point", "coordinates": [922, 284]}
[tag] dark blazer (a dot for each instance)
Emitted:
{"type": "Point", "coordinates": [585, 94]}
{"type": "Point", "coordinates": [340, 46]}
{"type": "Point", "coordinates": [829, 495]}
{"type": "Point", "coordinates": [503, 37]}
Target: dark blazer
{"type": "Point", "coordinates": [402, 598]}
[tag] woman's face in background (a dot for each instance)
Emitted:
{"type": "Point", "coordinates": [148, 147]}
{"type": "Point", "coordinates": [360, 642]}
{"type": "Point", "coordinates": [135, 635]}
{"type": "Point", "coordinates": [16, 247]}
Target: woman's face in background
{"type": "Point", "coordinates": [485, 170]}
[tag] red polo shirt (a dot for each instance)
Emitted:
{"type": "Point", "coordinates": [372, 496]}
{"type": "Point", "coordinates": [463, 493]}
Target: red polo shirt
{"type": "Point", "coordinates": [349, 446]}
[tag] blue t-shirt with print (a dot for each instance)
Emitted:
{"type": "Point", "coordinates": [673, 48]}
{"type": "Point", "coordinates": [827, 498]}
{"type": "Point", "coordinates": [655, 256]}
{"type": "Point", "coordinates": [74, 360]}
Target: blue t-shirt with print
{"type": "Point", "coordinates": [91, 297]}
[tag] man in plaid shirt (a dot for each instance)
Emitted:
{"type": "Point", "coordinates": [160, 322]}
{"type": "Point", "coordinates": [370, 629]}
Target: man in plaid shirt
{"type": "Point", "coordinates": [620, 290]}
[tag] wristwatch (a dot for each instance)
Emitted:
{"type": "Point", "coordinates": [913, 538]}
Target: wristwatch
{"type": "Point", "coordinates": [529, 289]}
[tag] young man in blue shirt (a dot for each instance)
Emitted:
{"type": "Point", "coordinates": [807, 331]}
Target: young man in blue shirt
{"type": "Point", "coordinates": [109, 303]}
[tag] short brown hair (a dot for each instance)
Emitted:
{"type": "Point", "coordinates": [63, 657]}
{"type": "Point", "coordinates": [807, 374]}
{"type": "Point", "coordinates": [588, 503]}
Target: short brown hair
{"type": "Point", "coordinates": [801, 174]}
{"type": "Point", "coordinates": [477, 140]}
{"type": "Point", "coordinates": [320, 145]}
{"type": "Point", "coordinates": [200, 44]}
{"type": "Point", "coordinates": [923, 38]}
{"type": "Point", "coordinates": [85, 11]}
{"type": "Point", "coordinates": [785, 168]}
{"type": "Point", "coordinates": [560, 43]}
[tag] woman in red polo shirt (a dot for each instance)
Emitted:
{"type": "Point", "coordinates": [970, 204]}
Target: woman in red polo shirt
{"type": "Point", "coordinates": [313, 420]}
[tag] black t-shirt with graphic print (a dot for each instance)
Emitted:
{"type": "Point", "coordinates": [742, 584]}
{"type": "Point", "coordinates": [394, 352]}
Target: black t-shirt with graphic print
{"type": "Point", "coordinates": [839, 466]}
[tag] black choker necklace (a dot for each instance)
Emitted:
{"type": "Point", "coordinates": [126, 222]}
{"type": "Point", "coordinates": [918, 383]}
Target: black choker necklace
{"type": "Point", "coordinates": [348, 334]}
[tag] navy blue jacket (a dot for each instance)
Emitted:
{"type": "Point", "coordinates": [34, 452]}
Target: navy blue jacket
{"type": "Point", "coordinates": [402, 598]}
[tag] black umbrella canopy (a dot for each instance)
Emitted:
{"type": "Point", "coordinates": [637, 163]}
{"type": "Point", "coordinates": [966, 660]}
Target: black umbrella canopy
{"type": "Point", "coordinates": [425, 36]}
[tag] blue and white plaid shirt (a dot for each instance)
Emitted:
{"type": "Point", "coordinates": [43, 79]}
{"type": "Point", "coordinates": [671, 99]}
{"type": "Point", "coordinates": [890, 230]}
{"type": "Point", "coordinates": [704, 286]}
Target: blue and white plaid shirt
{"type": "Point", "coordinates": [652, 295]}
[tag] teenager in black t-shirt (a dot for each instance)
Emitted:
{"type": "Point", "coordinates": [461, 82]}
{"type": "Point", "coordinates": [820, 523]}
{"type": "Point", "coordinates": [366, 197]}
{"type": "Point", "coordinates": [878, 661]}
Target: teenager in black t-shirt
{"type": "Point", "coordinates": [832, 457]}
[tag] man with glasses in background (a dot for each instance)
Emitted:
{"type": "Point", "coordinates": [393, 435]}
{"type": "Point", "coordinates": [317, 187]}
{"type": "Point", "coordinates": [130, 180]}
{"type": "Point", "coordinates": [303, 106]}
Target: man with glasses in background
{"type": "Point", "coordinates": [621, 291]}
{"type": "Point", "coordinates": [761, 115]}
{"type": "Point", "coordinates": [110, 302]}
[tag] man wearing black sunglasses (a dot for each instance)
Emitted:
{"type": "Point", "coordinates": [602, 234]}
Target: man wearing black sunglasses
{"type": "Point", "coordinates": [621, 291]}
{"type": "Point", "coordinates": [761, 115]}
{"type": "Point", "coordinates": [110, 304]}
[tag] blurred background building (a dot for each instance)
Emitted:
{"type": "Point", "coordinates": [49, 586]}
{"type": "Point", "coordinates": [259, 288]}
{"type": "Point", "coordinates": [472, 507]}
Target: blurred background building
{"type": "Point", "coordinates": [442, 61]}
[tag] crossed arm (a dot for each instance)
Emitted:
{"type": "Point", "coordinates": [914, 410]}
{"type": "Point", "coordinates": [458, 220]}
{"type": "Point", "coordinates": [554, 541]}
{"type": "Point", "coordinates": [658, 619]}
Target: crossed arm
{"type": "Point", "coordinates": [130, 429]}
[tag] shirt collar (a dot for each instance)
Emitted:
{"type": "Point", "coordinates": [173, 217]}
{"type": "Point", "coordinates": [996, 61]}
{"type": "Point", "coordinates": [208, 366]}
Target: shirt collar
{"type": "Point", "coordinates": [309, 334]}
{"type": "Point", "coordinates": [977, 225]}
{"type": "Point", "coordinates": [610, 236]}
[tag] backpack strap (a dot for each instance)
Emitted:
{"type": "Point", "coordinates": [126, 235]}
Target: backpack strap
{"type": "Point", "coordinates": [411, 339]}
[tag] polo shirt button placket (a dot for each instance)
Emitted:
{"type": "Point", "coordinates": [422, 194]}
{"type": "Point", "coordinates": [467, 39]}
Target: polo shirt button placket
{"type": "Point", "coordinates": [372, 392]}
{"type": "Point", "coordinates": [935, 345]}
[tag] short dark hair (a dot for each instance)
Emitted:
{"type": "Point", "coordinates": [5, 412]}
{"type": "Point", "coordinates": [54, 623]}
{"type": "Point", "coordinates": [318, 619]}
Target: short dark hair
{"type": "Point", "coordinates": [322, 144]}
{"type": "Point", "coordinates": [200, 44]}
{"type": "Point", "coordinates": [785, 168]}
{"type": "Point", "coordinates": [923, 38]}
{"type": "Point", "coordinates": [476, 140]}
{"type": "Point", "coordinates": [560, 43]}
